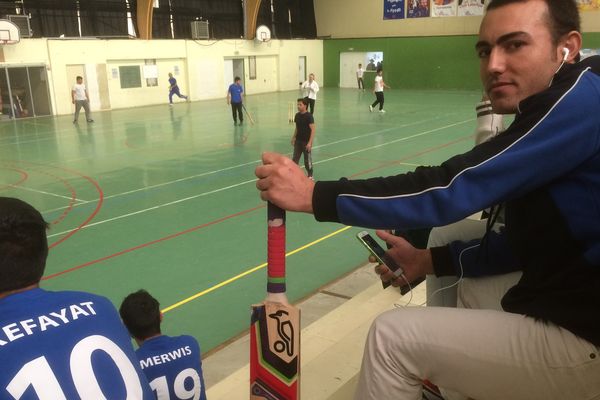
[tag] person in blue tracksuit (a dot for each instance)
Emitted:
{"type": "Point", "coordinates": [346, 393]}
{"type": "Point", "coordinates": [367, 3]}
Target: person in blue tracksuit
{"type": "Point", "coordinates": [234, 97]}
{"type": "Point", "coordinates": [174, 90]}
{"type": "Point", "coordinates": [544, 171]}
{"type": "Point", "coordinates": [172, 364]}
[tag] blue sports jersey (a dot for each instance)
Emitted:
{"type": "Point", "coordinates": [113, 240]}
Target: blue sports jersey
{"type": "Point", "coordinates": [173, 367]}
{"type": "Point", "coordinates": [236, 93]}
{"type": "Point", "coordinates": [173, 82]}
{"type": "Point", "coordinates": [66, 345]}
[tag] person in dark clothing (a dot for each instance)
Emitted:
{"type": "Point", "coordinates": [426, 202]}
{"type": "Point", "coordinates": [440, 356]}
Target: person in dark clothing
{"type": "Point", "coordinates": [174, 90]}
{"type": "Point", "coordinates": [234, 97]}
{"type": "Point", "coordinates": [304, 135]}
{"type": "Point", "coordinates": [542, 269]}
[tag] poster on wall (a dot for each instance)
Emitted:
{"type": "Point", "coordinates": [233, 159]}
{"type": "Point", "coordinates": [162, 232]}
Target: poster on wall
{"type": "Point", "coordinates": [470, 7]}
{"type": "Point", "coordinates": [443, 8]}
{"type": "Point", "coordinates": [417, 9]}
{"type": "Point", "coordinates": [588, 5]}
{"type": "Point", "coordinates": [393, 9]}
{"type": "Point", "coordinates": [373, 60]}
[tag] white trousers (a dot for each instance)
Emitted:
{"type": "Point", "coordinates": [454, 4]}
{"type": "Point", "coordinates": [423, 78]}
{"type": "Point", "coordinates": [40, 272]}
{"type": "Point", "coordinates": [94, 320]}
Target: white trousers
{"type": "Point", "coordinates": [484, 354]}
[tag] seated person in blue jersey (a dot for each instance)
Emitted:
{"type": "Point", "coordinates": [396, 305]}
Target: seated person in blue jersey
{"type": "Point", "coordinates": [56, 345]}
{"type": "Point", "coordinates": [171, 364]}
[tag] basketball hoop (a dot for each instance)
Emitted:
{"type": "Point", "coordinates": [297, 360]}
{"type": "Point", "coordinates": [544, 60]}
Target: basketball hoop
{"type": "Point", "coordinates": [263, 34]}
{"type": "Point", "coordinates": [9, 32]}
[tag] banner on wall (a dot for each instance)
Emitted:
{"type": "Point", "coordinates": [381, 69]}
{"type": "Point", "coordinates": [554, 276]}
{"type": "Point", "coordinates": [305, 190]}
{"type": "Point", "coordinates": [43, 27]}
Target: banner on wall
{"type": "Point", "coordinates": [393, 9]}
{"type": "Point", "coordinates": [588, 5]}
{"type": "Point", "coordinates": [470, 7]}
{"type": "Point", "coordinates": [443, 8]}
{"type": "Point", "coordinates": [417, 9]}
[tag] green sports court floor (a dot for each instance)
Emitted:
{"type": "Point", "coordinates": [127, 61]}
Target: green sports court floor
{"type": "Point", "coordinates": [163, 198]}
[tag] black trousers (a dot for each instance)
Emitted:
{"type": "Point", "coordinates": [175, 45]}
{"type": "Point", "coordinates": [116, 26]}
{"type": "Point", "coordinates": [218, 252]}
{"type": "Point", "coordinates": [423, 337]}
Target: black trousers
{"type": "Point", "coordinates": [311, 105]}
{"type": "Point", "coordinates": [379, 100]}
{"type": "Point", "coordinates": [237, 107]}
{"type": "Point", "coordinates": [361, 83]}
{"type": "Point", "coordinates": [300, 149]}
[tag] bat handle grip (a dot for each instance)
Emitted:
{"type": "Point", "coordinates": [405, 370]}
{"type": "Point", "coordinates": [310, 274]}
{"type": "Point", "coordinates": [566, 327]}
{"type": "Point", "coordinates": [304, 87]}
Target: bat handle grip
{"type": "Point", "coordinates": [275, 249]}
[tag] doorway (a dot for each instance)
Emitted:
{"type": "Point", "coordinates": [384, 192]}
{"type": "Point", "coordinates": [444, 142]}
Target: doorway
{"type": "Point", "coordinates": [24, 92]}
{"type": "Point", "coordinates": [301, 69]}
{"type": "Point", "coordinates": [233, 67]}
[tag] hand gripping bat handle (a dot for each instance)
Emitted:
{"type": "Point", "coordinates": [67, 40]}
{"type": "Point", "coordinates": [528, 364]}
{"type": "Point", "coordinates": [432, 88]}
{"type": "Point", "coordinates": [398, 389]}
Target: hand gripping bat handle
{"type": "Point", "coordinates": [275, 249]}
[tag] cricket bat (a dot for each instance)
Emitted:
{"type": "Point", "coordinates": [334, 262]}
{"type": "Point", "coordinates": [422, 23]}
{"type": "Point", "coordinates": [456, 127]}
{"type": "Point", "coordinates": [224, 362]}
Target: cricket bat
{"type": "Point", "coordinates": [248, 114]}
{"type": "Point", "coordinates": [275, 326]}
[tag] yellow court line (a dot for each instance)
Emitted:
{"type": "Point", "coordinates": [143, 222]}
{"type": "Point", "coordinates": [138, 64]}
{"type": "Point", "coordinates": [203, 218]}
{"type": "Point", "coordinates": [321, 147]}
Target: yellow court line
{"type": "Point", "coordinates": [251, 270]}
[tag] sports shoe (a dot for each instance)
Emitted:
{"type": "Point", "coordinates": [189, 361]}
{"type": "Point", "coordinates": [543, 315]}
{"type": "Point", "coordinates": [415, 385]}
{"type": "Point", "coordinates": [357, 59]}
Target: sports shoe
{"type": "Point", "coordinates": [382, 111]}
{"type": "Point", "coordinates": [171, 104]}
{"type": "Point", "coordinates": [90, 120]}
{"type": "Point", "coordinates": [371, 108]}
{"type": "Point", "coordinates": [74, 121]}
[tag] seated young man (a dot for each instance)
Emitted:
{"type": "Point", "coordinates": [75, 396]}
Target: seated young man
{"type": "Point", "coordinates": [56, 345]}
{"type": "Point", "coordinates": [172, 365]}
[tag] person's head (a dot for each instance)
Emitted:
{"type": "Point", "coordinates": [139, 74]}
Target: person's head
{"type": "Point", "coordinates": [521, 46]}
{"type": "Point", "coordinates": [359, 65]}
{"type": "Point", "coordinates": [302, 105]}
{"type": "Point", "coordinates": [311, 77]}
{"type": "Point", "coordinates": [237, 80]}
{"type": "Point", "coordinates": [379, 71]}
{"type": "Point", "coordinates": [170, 75]}
{"type": "Point", "coordinates": [79, 80]}
{"type": "Point", "coordinates": [23, 245]}
{"type": "Point", "coordinates": [141, 315]}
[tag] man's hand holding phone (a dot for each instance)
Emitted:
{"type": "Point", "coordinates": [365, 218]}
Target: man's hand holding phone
{"type": "Point", "coordinates": [415, 263]}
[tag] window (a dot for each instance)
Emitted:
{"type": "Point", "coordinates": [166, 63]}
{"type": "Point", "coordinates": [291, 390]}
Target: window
{"type": "Point", "coordinates": [252, 67]}
{"type": "Point", "coordinates": [130, 77]}
{"type": "Point", "coordinates": [151, 73]}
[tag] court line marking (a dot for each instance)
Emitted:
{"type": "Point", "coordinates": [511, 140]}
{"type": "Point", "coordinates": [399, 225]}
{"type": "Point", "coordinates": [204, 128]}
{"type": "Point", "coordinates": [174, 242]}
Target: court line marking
{"type": "Point", "coordinates": [143, 245]}
{"type": "Point", "coordinates": [244, 164]}
{"type": "Point", "coordinates": [47, 193]}
{"type": "Point", "coordinates": [254, 180]}
{"type": "Point", "coordinates": [250, 271]}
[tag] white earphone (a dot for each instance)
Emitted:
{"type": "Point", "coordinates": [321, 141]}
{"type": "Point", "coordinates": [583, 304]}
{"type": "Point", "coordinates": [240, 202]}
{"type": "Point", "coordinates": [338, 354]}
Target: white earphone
{"type": "Point", "coordinates": [565, 52]}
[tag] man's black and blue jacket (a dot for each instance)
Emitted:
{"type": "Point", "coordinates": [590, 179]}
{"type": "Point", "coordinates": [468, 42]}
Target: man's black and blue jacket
{"type": "Point", "coordinates": [544, 169]}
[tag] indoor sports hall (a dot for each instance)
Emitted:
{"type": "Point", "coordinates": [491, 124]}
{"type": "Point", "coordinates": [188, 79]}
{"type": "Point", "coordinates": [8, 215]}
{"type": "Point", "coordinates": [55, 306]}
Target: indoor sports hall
{"type": "Point", "coordinates": [147, 194]}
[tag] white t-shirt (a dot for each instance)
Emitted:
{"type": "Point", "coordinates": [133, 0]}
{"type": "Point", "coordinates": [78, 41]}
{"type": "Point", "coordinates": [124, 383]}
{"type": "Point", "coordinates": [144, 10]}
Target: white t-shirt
{"type": "Point", "coordinates": [360, 72]}
{"type": "Point", "coordinates": [79, 89]}
{"type": "Point", "coordinates": [379, 83]}
{"type": "Point", "coordinates": [311, 89]}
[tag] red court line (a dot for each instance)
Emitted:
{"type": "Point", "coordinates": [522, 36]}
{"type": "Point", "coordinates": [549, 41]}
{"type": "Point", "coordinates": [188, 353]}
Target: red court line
{"type": "Point", "coordinates": [141, 246]}
{"type": "Point", "coordinates": [24, 177]}
{"type": "Point", "coordinates": [400, 161]}
{"type": "Point", "coordinates": [172, 236]}
{"type": "Point", "coordinates": [71, 201]}
{"type": "Point", "coordinates": [77, 173]}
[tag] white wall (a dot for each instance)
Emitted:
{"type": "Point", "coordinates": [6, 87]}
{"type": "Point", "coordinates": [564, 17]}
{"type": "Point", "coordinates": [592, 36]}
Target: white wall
{"type": "Point", "coordinates": [200, 65]}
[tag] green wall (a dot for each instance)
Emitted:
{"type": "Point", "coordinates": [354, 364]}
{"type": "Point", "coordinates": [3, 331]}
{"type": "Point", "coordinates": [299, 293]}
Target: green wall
{"type": "Point", "coordinates": [440, 62]}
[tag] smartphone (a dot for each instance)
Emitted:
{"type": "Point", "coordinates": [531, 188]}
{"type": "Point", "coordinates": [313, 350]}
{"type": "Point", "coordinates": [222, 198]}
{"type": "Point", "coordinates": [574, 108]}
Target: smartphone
{"type": "Point", "coordinates": [379, 253]}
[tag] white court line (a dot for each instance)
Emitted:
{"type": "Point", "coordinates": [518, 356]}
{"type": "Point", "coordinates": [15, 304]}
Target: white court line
{"type": "Point", "coordinates": [156, 207]}
{"type": "Point", "coordinates": [244, 164]}
{"type": "Point", "coordinates": [48, 193]}
{"type": "Point", "coordinates": [254, 180]}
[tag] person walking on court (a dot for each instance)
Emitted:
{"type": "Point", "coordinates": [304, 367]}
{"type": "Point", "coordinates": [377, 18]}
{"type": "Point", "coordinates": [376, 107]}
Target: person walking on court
{"type": "Point", "coordinates": [178, 371]}
{"type": "Point", "coordinates": [234, 97]}
{"type": "Point", "coordinates": [81, 98]}
{"type": "Point", "coordinates": [311, 88]}
{"type": "Point", "coordinates": [378, 90]}
{"type": "Point", "coordinates": [174, 89]}
{"type": "Point", "coordinates": [56, 344]}
{"type": "Point", "coordinates": [359, 77]}
{"type": "Point", "coordinates": [304, 134]}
